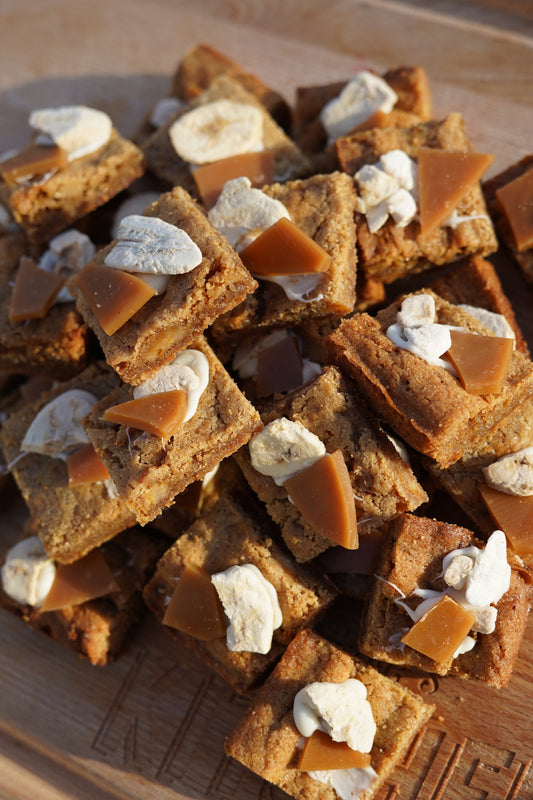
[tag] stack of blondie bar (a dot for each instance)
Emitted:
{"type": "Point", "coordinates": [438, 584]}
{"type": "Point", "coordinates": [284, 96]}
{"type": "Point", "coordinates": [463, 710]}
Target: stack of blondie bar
{"type": "Point", "coordinates": [234, 399]}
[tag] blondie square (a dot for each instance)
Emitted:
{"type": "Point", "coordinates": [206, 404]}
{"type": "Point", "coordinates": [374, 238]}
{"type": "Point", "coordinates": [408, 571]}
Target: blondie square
{"type": "Point", "coordinates": [97, 629]}
{"type": "Point", "coordinates": [201, 65]}
{"type": "Point", "coordinates": [523, 256]}
{"type": "Point", "coordinates": [234, 532]}
{"type": "Point", "coordinates": [70, 521]}
{"type": "Point", "coordinates": [167, 165]}
{"type": "Point", "coordinates": [169, 322]}
{"type": "Point", "coordinates": [268, 742]}
{"type": "Point", "coordinates": [149, 471]}
{"type": "Point", "coordinates": [463, 479]}
{"type": "Point", "coordinates": [322, 206]}
{"type": "Point", "coordinates": [475, 282]}
{"type": "Point", "coordinates": [44, 207]}
{"type": "Point", "coordinates": [412, 560]}
{"type": "Point", "coordinates": [383, 484]}
{"type": "Point", "coordinates": [414, 104]}
{"type": "Point", "coordinates": [58, 345]}
{"type": "Point", "coordinates": [393, 251]}
{"type": "Point", "coordinates": [424, 403]}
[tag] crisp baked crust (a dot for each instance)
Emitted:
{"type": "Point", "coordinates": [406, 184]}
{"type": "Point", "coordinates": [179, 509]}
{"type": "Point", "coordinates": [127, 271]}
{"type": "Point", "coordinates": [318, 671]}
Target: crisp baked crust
{"type": "Point", "coordinates": [57, 345]}
{"type": "Point", "coordinates": [162, 159]}
{"type": "Point", "coordinates": [97, 629]}
{"type": "Point", "coordinates": [323, 207]}
{"type": "Point", "coordinates": [393, 252]}
{"type": "Point", "coordinates": [148, 471]}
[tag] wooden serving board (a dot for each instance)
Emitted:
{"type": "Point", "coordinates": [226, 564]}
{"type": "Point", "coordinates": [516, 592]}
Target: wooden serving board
{"type": "Point", "coordinates": [152, 725]}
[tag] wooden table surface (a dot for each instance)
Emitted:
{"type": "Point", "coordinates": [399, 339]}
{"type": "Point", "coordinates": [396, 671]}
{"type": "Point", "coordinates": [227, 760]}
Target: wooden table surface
{"type": "Point", "coordinates": [152, 725]}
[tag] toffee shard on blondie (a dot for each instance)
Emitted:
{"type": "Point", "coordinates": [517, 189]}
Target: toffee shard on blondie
{"type": "Point", "coordinates": [394, 251]}
{"type": "Point", "coordinates": [97, 629]}
{"type": "Point", "coordinates": [234, 532]}
{"type": "Point", "coordinates": [412, 560]}
{"type": "Point", "coordinates": [169, 322]}
{"type": "Point", "coordinates": [149, 471]}
{"type": "Point", "coordinates": [424, 403]}
{"type": "Point", "coordinates": [383, 484]}
{"type": "Point", "coordinates": [70, 520]}
{"type": "Point", "coordinates": [44, 206]}
{"type": "Point", "coordinates": [268, 742]}
{"type": "Point", "coordinates": [322, 207]}
{"type": "Point", "coordinates": [164, 161]}
{"type": "Point", "coordinates": [56, 345]}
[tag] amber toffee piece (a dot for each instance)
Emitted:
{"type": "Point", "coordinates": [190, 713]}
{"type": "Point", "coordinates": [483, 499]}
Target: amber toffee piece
{"type": "Point", "coordinates": [86, 579]}
{"type": "Point", "coordinates": [279, 368]}
{"type": "Point", "coordinates": [444, 178]}
{"type": "Point", "coordinates": [324, 496]}
{"type": "Point", "coordinates": [516, 201]}
{"type": "Point", "coordinates": [34, 291]}
{"type": "Point", "coordinates": [321, 752]}
{"type": "Point", "coordinates": [482, 362]}
{"type": "Point", "coordinates": [210, 178]}
{"type": "Point", "coordinates": [160, 414]}
{"type": "Point", "coordinates": [440, 631]}
{"type": "Point", "coordinates": [85, 466]}
{"type": "Point", "coordinates": [514, 515]}
{"type": "Point", "coordinates": [284, 249]}
{"type": "Point", "coordinates": [33, 160]}
{"type": "Point", "coordinates": [195, 608]}
{"type": "Point", "coordinates": [113, 295]}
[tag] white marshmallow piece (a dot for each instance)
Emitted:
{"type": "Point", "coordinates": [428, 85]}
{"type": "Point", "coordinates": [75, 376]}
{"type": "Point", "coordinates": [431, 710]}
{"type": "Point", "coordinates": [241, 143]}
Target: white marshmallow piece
{"type": "Point", "coordinates": [217, 130]}
{"type": "Point", "coordinates": [283, 448]}
{"type": "Point", "coordinates": [57, 428]}
{"type": "Point", "coordinates": [495, 322]}
{"type": "Point", "coordinates": [28, 572]}
{"type": "Point", "coordinates": [189, 371]}
{"type": "Point", "coordinates": [490, 576]}
{"type": "Point", "coordinates": [398, 165]}
{"type": "Point", "coordinates": [164, 110]}
{"type": "Point", "coordinates": [417, 310]}
{"type": "Point", "coordinates": [251, 605]}
{"type": "Point", "coordinates": [241, 210]}
{"type": "Point", "coordinates": [339, 709]}
{"type": "Point", "coordinates": [513, 473]}
{"type": "Point", "coordinates": [151, 245]}
{"type": "Point", "coordinates": [362, 96]}
{"type": "Point", "coordinates": [79, 130]}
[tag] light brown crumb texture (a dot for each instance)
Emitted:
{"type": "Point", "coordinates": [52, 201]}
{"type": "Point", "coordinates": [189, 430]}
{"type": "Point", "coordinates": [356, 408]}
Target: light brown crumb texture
{"type": "Point", "coordinates": [69, 521]}
{"type": "Point", "coordinates": [266, 739]}
{"type": "Point", "coordinates": [425, 404]}
{"type": "Point", "coordinates": [148, 471]}
{"type": "Point", "coordinates": [393, 252]}
{"type": "Point", "coordinates": [168, 323]}
{"type": "Point", "coordinates": [383, 484]}
{"type": "Point", "coordinates": [162, 159]}
{"type": "Point", "coordinates": [228, 534]}
{"type": "Point", "coordinates": [412, 559]}
{"type": "Point", "coordinates": [44, 208]}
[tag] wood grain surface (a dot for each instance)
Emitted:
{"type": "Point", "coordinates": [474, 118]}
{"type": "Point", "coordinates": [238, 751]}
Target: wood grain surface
{"type": "Point", "coordinates": [152, 725]}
